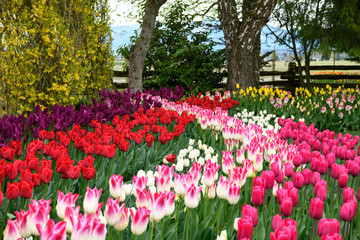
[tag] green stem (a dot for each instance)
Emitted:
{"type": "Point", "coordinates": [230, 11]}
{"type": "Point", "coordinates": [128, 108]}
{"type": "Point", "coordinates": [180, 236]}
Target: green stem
{"type": "Point", "coordinates": [108, 173]}
{"type": "Point", "coordinates": [152, 230]}
{"type": "Point", "coordinates": [219, 217]}
{"type": "Point", "coordinates": [56, 194]}
{"type": "Point", "coordinates": [206, 199]}
{"type": "Point", "coordinates": [187, 224]}
{"type": "Point", "coordinates": [121, 235]}
{"type": "Point", "coordinates": [162, 228]}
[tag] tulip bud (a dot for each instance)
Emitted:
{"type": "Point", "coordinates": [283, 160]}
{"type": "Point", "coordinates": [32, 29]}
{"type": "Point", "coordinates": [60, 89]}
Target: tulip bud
{"type": "Point", "coordinates": [286, 207]}
{"type": "Point", "coordinates": [245, 228]}
{"type": "Point", "coordinates": [316, 208]}
{"type": "Point", "coordinates": [277, 222]}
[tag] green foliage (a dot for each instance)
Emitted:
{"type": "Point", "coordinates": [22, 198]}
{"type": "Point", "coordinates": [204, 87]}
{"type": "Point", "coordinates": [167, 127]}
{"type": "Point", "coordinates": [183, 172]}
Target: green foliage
{"type": "Point", "coordinates": [53, 52]}
{"type": "Point", "coordinates": [181, 53]}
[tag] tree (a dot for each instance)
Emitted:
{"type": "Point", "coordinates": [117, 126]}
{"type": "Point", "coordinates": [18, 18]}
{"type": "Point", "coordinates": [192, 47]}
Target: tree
{"type": "Point", "coordinates": [302, 27]}
{"type": "Point", "coordinates": [139, 50]}
{"type": "Point", "coordinates": [182, 53]}
{"type": "Point", "coordinates": [344, 21]}
{"type": "Point", "coordinates": [242, 39]}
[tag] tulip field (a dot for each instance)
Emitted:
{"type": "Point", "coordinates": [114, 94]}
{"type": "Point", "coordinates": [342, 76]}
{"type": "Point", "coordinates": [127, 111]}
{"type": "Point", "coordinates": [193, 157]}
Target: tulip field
{"type": "Point", "coordinates": [254, 164]}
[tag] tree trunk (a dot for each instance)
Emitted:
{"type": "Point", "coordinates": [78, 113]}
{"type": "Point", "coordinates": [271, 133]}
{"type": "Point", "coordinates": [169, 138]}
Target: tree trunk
{"type": "Point", "coordinates": [242, 39]}
{"type": "Point", "coordinates": [139, 50]}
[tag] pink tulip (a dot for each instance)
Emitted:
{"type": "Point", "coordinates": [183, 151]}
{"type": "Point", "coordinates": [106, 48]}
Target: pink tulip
{"type": "Point", "coordinates": [53, 231]}
{"type": "Point", "coordinates": [348, 194]}
{"type": "Point", "coordinates": [139, 220]}
{"type": "Point", "coordinates": [281, 194]}
{"type": "Point", "coordinates": [315, 178]}
{"type": "Point", "coordinates": [343, 180]}
{"type": "Point", "coordinates": [293, 194]}
{"type": "Point", "coordinates": [124, 219]}
{"type": "Point", "coordinates": [91, 200]}
{"type": "Point", "coordinates": [192, 196]}
{"type": "Point", "coordinates": [320, 190]}
{"type": "Point", "coordinates": [298, 180]}
{"type": "Point", "coordinates": [112, 211]}
{"type": "Point", "coordinates": [240, 155]}
{"type": "Point", "coordinates": [327, 226]}
{"type": "Point", "coordinates": [98, 230]}
{"type": "Point", "coordinates": [316, 208]}
{"type": "Point", "coordinates": [258, 194]}
{"type": "Point", "coordinates": [307, 176]}
{"type": "Point", "coordinates": [139, 183]}
{"type": "Point", "coordinates": [65, 201]}
{"type": "Point", "coordinates": [12, 230]}
{"type": "Point", "coordinates": [234, 194]}
{"type": "Point", "coordinates": [331, 236]}
{"type": "Point", "coordinates": [245, 228]}
{"type": "Point", "coordinates": [286, 207]}
{"type": "Point", "coordinates": [277, 222]}
{"type": "Point", "coordinates": [269, 178]}
{"type": "Point", "coordinates": [38, 216]}
{"type": "Point", "coordinates": [250, 211]}
{"type": "Point", "coordinates": [115, 186]}
{"type": "Point", "coordinates": [289, 170]}
{"type": "Point", "coordinates": [348, 210]}
{"type": "Point", "coordinates": [157, 206]}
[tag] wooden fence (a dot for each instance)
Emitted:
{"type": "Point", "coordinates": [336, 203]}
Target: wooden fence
{"type": "Point", "coordinates": [290, 79]}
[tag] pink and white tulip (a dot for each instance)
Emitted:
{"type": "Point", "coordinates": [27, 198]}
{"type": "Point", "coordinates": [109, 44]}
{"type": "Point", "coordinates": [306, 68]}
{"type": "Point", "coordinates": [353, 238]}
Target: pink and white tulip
{"type": "Point", "coordinates": [116, 185]}
{"type": "Point", "coordinates": [192, 196]}
{"type": "Point", "coordinates": [112, 211]}
{"type": "Point", "coordinates": [65, 201]}
{"type": "Point", "coordinates": [139, 183]}
{"type": "Point", "coordinates": [12, 230]}
{"type": "Point", "coordinates": [139, 220]}
{"type": "Point", "coordinates": [91, 200]}
{"type": "Point", "coordinates": [157, 206]}
{"type": "Point", "coordinates": [234, 194]}
{"type": "Point", "coordinates": [53, 231]}
{"type": "Point", "coordinates": [124, 219]}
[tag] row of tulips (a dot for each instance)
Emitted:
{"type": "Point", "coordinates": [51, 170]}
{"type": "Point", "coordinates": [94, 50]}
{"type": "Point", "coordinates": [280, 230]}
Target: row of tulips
{"type": "Point", "coordinates": [262, 155]}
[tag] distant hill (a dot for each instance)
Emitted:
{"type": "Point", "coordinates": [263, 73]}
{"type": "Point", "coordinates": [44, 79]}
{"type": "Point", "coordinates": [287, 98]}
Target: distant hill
{"type": "Point", "coordinates": [122, 34]}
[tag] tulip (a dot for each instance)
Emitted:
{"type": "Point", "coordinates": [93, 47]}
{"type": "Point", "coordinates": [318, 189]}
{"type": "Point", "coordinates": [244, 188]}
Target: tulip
{"type": "Point", "coordinates": [348, 194]}
{"type": "Point", "coordinates": [233, 194]}
{"type": "Point", "coordinates": [192, 196]}
{"type": "Point", "coordinates": [327, 226]}
{"type": "Point", "coordinates": [249, 211]}
{"type": "Point", "coordinates": [348, 210]}
{"type": "Point", "coordinates": [222, 188]}
{"type": "Point", "coordinates": [269, 178]}
{"type": "Point", "coordinates": [12, 230]}
{"type": "Point", "coordinates": [179, 184]}
{"type": "Point", "coordinates": [343, 180]}
{"type": "Point", "coordinates": [124, 219]}
{"type": "Point", "coordinates": [280, 234]}
{"type": "Point", "coordinates": [170, 204]}
{"type": "Point", "coordinates": [53, 231]}
{"type": "Point", "coordinates": [298, 180]}
{"type": "Point", "coordinates": [286, 207]}
{"type": "Point", "coordinates": [331, 236]}
{"type": "Point", "coordinates": [293, 194]}
{"type": "Point", "coordinates": [281, 194]}
{"type": "Point", "coordinates": [65, 201]}
{"type": "Point", "coordinates": [71, 217]}
{"type": "Point", "coordinates": [163, 184]}
{"type": "Point", "coordinates": [22, 220]}
{"type": "Point", "coordinates": [258, 194]}
{"type": "Point", "coordinates": [238, 176]}
{"type": "Point", "coordinates": [112, 211]}
{"type": "Point", "coordinates": [316, 208]}
{"type": "Point", "coordinates": [115, 186]}
{"type": "Point", "coordinates": [37, 219]}
{"type": "Point", "coordinates": [210, 171]}
{"type": "Point", "coordinates": [82, 229]}
{"type": "Point", "coordinates": [245, 228]}
{"type": "Point", "coordinates": [139, 183]}
{"type": "Point", "coordinates": [320, 190]}
{"type": "Point", "coordinates": [277, 222]}
{"type": "Point", "coordinates": [91, 200]}
{"type": "Point", "coordinates": [157, 206]}
{"type": "Point", "coordinates": [139, 220]}
{"type": "Point", "coordinates": [315, 178]}
{"type": "Point", "coordinates": [98, 230]}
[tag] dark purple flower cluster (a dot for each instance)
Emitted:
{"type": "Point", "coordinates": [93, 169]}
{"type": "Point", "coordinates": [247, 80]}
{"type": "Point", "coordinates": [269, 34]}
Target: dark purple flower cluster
{"type": "Point", "coordinates": [61, 118]}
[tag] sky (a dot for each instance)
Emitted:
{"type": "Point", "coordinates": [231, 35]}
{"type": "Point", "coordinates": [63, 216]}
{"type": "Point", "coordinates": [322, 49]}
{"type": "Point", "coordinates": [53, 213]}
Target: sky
{"type": "Point", "coordinates": [119, 10]}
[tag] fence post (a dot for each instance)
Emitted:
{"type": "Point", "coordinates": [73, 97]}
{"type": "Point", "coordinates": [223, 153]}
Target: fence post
{"type": "Point", "coordinates": [273, 63]}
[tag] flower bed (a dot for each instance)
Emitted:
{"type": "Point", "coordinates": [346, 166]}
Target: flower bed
{"type": "Point", "coordinates": [182, 172]}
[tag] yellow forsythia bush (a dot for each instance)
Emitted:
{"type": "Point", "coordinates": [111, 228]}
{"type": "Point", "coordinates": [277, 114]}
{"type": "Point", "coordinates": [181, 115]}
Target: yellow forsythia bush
{"type": "Point", "coordinates": [53, 52]}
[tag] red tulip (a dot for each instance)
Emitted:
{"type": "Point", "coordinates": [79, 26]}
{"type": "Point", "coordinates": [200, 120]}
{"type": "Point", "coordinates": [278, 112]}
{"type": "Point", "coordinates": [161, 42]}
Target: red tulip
{"type": "Point", "coordinates": [149, 139]}
{"type": "Point", "coordinates": [1, 197]}
{"type": "Point", "coordinates": [46, 175]}
{"type": "Point", "coordinates": [316, 208]}
{"type": "Point", "coordinates": [7, 152]}
{"type": "Point", "coordinates": [26, 189]}
{"type": "Point", "coordinates": [12, 190]}
{"type": "Point", "coordinates": [88, 173]}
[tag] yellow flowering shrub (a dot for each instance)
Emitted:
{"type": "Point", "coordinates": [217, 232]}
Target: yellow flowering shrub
{"type": "Point", "coordinates": [53, 52]}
